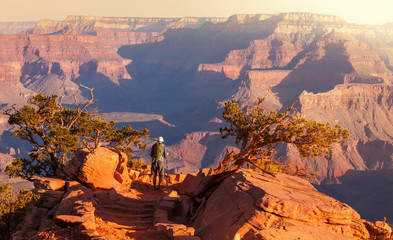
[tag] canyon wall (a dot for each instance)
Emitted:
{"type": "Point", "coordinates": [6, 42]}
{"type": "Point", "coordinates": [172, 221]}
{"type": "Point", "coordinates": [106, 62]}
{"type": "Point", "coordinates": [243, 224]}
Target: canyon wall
{"type": "Point", "coordinates": [119, 31]}
{"type": "Point", "coordinates": [183, 69]}
{"type": "Point", "coordinates": [30, 59]}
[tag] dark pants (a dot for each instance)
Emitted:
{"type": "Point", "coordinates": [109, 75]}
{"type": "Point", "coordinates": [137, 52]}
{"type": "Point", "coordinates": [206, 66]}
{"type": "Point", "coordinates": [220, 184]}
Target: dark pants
{"type": "Point", "coordinates": [157, 168]}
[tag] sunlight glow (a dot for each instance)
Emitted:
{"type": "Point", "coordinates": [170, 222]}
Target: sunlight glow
{"type": "Point", "coordinates": [355, 11]}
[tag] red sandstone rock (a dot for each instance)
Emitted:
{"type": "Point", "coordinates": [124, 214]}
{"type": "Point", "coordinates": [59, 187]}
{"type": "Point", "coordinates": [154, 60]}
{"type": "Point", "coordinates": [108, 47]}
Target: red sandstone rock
{"type": "Point", "coordinates": [122, 169]}
{"type": "Point", "coordinates": [134, 174]}
{"type": "Point", "coordinates": [249, 205]}
{"type": "Point", "coordinates": [67, 56]}
{"type": "Point", "coordinates": [173, 230]}
{"type": "Point", "coordinates": [261, 54]}
{"type": "Point", "coordinates": [118, 31]}
{"type": "Point", "coordinates": [76, 209]}
{"type": "Point", "coordinates": [73, 167]}
{"type": "Point", "coordinates": [98, 168]}
{"type": "Point", "coordinates": [51, 198]}
{"type": "Point", "coordinates": [47, 183]}
{"type": "Point", "coordinates": [118, 177]}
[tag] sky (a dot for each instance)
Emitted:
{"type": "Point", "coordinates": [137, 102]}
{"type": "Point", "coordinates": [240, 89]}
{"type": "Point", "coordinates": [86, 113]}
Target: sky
{"type": "Point", "coordinates": [353, 11]}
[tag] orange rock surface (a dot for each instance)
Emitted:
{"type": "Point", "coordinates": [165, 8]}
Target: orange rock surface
{"type": "Point", "coordinates": [249, 205]}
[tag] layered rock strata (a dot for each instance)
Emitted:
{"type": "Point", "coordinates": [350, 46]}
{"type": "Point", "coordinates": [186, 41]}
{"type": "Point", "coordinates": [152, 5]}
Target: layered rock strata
{"type": "Point", "coordinates": [28, 57]}
{"type": "Point", "coordinates": [119, 31]}
{"type": "Point", "coordinates": [258, 206]}
{"type": "Point", "coordinates": [363, 109]}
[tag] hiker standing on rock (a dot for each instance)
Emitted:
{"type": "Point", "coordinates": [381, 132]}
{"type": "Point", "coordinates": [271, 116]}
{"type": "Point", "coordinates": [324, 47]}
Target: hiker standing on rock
{"type": "Point", "coordinates": [157, 154]}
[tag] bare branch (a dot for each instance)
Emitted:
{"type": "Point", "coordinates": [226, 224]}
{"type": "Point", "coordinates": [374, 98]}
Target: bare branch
{"type": "Point", "coordinates": [80, 110]}
{"type": "Point", "coordinates": [60, 102]}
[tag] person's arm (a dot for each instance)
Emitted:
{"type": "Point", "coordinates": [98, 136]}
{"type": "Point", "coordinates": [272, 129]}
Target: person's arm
{"type": "Point", "coordinates": [152, 151]}
{"type": "Point", "coordinates": [166, 154]}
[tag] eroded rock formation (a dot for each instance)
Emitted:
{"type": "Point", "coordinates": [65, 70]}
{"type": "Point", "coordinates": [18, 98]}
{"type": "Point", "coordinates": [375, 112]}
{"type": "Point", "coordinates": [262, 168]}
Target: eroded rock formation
{"type": "Point", "coordinates": [184, 68]}
{"type": "Point", "coordinates": [64, 55]}
{"type": "Point", "coordinates": [99, 168]}
{"type": "Point", "coordinates": [249, 205]}
{"type": "Point", "coordinates": [119, 31]}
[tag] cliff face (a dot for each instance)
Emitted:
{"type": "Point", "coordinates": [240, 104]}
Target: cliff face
{"type": "Point", "coordinates": [30, 58]}
{"type": "Point", "coordinates": [119, 31]}
{"type": "Point", "coordinates": [261, 54]}
{"type": "Point", "coordinates": [200, 150]}
{"type": "Point", "coordinates": [363, 109]}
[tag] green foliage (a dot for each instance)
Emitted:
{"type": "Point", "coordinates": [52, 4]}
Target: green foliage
{"type": "Point", "coordinates": [57, 132]}
{"type": "Point", "coordinates": [12, 208]}
{"type": "Point", "coordinates": [27, 168]}
{"type": "Point", "coordinates": [267, 166]}
{"type": "Point", "coordinates": [137, 163]}
{"type": "Point", "coordinates": [258, 132]}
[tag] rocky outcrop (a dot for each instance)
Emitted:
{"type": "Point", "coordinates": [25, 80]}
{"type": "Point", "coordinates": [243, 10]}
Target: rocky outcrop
{"type": "Point", "coordinates": [248, 205]}
{"type": "Point", "coordinates": [100, 168]}
{"type": "Point", "coordinates": [76, 209]}
{"type": "Point", "coordinates": [69, 209]}
{"type": "Point", "coordinates": [66, 208]}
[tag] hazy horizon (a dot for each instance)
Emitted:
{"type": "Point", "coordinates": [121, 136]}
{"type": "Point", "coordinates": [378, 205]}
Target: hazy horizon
{"type": "Point", "coordinates": [361, 11]}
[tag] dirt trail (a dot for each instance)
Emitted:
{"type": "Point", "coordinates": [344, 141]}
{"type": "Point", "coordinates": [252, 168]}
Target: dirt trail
{"type": "Point", "coordinates": [128, 213]}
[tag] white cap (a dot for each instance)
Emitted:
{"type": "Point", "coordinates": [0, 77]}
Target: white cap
{"type": "Point", "coordinates": [160, 139]}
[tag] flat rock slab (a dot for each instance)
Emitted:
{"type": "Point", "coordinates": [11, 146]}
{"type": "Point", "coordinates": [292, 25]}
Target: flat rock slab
{"type": "Point", "coordinates": [249, 205]}
{"type": "Point", "coordinates": [47, 183]}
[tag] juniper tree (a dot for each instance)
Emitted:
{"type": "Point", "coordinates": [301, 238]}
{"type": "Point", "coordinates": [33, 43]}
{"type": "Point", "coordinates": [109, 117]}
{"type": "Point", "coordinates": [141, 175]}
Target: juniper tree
{"type": "Point", "coordinates": [56, 132]}
{"type": "Point", "coordinates": [258, 132]}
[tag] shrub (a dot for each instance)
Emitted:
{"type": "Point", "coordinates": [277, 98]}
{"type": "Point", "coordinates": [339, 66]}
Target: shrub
{"type": "Point", "coordinates": [138, 163]}
{"type": "Point", "coordinates": [12, 208]}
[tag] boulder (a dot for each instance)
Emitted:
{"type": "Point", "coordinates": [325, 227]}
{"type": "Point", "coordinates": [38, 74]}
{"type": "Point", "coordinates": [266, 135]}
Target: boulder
{"type": "Point", "coordinates": [51, 198]}
{"type": "Point", "coordinates": [134, 174]}
{"type": "Point", "coordinates": [121, 169]}
{"type": "Point", "coordinates": [47, 183]}
{"type": "Point", "coordinates": [98, 168]}
{"type": "Point", "coordinates": [187, 184]}
{"type": "Point", "coordinates": [73, 167]}
{"type": "Point", "coordinates": [249, 205]}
